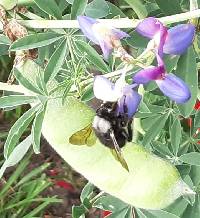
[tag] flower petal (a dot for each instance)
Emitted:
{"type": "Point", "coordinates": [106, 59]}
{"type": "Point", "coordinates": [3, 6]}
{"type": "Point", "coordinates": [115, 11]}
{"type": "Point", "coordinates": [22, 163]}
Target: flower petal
{"type": "Point", "coordinates": [106, 48]}
{"type": "Point", "coordinates": [148, 74]}
{"type": "Point", "coordinates": [118, 34]}
{"type": "Point", "coordinates": [175, 88]}
{"type": "Point", "coordinates": [162, 39]}
{"type": "Point", "coordinates": [104, 89]}
{"type": "Point", "coordinates": [131, 99]}
{"type": "Point", "coordinates": [179, 39]}
{"type": "Point", "coordinates": [148, 27]}
{"type": "Point", "coordinates": [85, 24]}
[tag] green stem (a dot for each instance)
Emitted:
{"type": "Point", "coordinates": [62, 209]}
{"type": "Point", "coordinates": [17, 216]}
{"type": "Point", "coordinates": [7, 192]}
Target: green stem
{"type": "Point", "coordinates": [117, 23]}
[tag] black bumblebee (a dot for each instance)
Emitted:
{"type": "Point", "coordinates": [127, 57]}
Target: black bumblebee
{"type": "Point", "coordinates": [112, 128]}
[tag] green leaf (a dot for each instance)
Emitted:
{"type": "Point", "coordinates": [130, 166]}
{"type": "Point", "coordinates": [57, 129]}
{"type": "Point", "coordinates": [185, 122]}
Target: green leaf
{"type": "Point", "coordinates": [197, 119]}
{"type": "Point", "coordinates": [33, 173]}
{"type": "Point", "coordinates": [136, 40]}
{"type": "Point", "coordinates": [15, 175]}
{"type": "Point", "coordinates": [155, 129]}
{"type": "Point", "coordinates": [195, 175]}
{"type": "Point", "coordinates": [124, 212]}
{"type": "Point", "coordinates": [192, 158]}
{"type": "Point", "coordinates": [35, 41]}
{"type": "Point", "coordinates": [87, 191]}
{"type": "Point", "coordinates": [4, 40]}
{"type": "Point", "coordinates": [68, 85]}
{"type": "Point", "coordinates": [78, 8]}
{"type": "Point", "coordinates": [18, 129]}
{"type": "Point", "coordinates": [36, 128]}
{"type": "Point", "coordinates": [162, 214]}
{"type": "Point", "coordinates": [177, 207]}
{"type": "Point", "coordinates": [169, 7]}
{"type": "Point", "coordinates": [97, 9]}
{"type": "Point", "coordinates": [138, 7]}
{"type": "Point", "coordinates": [170, 62]}
{"type": "Point", "coordinates": [175, 134]}
{"type": "Point", "coordinates": [193, 211]}
{"type": "Point", "coordinates": [50, 7]}
{"type": "Point", "coordinates": [187, 70]}
{"type": "Point", "coordinates": [88, 93]}
{"type": "Point", "coordinates": [56, 61]}
{"type": "Point", "coordinates": [93, 56]}
{"type": "Point", "coordinates": [78, 211]}
{"type": "Point", "coordinates": [17, 154]}
{"type": "Point", "coordinates": [15, 100]}
{"type": "Point", "coordinates": [114, 11]}
{"type": "Point", "coordinates": [110, 203]}
{"type": "Point", "coordinates": [25, 82]}
{"type": "Point", "coordinates": [37, 209]}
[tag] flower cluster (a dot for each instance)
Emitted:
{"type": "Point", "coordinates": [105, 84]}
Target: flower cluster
{"type": "Point", "coordinates": [174, 41]}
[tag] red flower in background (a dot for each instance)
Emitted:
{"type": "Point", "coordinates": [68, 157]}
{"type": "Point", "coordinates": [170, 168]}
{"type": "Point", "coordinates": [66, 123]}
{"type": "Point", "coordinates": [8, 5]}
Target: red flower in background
{"type": "Point", "coordinates": [65, 185]}
{"type": "Point", "coordinates": [106, 213]}
{"type": "Point", "coordinates": [197, 105]}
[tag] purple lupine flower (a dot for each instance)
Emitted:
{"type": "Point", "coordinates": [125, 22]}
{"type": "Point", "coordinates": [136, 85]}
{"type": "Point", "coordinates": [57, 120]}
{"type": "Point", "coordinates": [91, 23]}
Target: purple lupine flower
{"type": "Point", "coordinates": [101, 34]}
{"type": "Point", "coordinates": [119, 91]}
{"type": "Point", "coordinates": [173, 41]}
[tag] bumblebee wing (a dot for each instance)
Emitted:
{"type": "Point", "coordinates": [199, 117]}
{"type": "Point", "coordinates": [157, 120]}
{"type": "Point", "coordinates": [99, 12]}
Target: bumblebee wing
{"type": "Point", "coordinates": [84, 136]}
{"type": "Point", "coordinates": [91, 139]}
{"type": "Point", "coordinates": [117, 153]}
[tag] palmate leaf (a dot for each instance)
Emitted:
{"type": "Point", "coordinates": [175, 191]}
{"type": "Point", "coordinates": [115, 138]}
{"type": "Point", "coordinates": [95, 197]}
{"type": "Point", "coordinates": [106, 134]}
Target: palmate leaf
{"type": "Point", "coordinates": [175, 135]}
{"type": "Point", "coordinates": [25, 82]}
{"type": "Point", "coordinates": [187, 70]}
{"type": "Point", "coordinates": [17, 154]}
{"type": "Point", "coordinates": [193, 211]}
{"type": "Point", "coordinates": [93, 56]}
{"type": "Point", "coordinates": [18, 129]}
{"type": "Point", "coordinates": [138, 7]}
{"type": "Point", "coordinates": [78, 8]}
{"type": "Point", "coordinates": [35, 41]}
{"type": "Point", "coordinates": [15, 100]}
{"type": "Point", "coordinates": [50, 7]}
{"type": "Point", "coordinates": [56, 61]}
{"type": "Point", "coordinates": [192, 158]}
{"type": "Point", "coordinates": [97, 9]}
{"type": "Point", "coordinates": [108, 202]}
{"type": "Point", "coordinates": [155, 129]}
{"type": "Point", "coordinates": [169, 7]}
{"type": "Point", "coordinates": [36, 128]}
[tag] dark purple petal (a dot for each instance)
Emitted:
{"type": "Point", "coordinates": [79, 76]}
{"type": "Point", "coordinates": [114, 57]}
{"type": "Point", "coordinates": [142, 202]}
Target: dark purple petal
{"type": "Point", "coordinates": [148, 27]}
{"type": "Point", "coordinates": [148, 74]}
{"type": "Point", "coordinates": [85, 24]}
{"type": "Point", "coordinates": [163, 35]}
{"type": "Point", "coordinates": [179, 38]}
{"type": "Point", "coordinates": [175, 88]}
{"type": "Point", "coordinates": [131, 100]}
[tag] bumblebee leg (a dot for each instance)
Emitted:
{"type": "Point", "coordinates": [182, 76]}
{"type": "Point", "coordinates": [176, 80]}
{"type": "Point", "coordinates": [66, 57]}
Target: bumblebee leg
{"type": "Point", "coordinates": [130, 131]}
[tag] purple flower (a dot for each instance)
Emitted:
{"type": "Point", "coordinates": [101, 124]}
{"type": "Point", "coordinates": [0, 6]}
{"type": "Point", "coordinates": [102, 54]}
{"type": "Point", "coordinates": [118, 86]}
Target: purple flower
{"type": "Point", "coordinates": [174, 41]}
{"type": "Point", "coordinates": [119, 91]}
{"type": "Point", "coordinates": [172, 86]}
{"type": "Point", "coordinates": [101, 34]}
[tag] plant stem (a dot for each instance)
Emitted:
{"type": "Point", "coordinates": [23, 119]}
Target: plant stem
{"type": "Point", "coordinates": [117, 23]}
